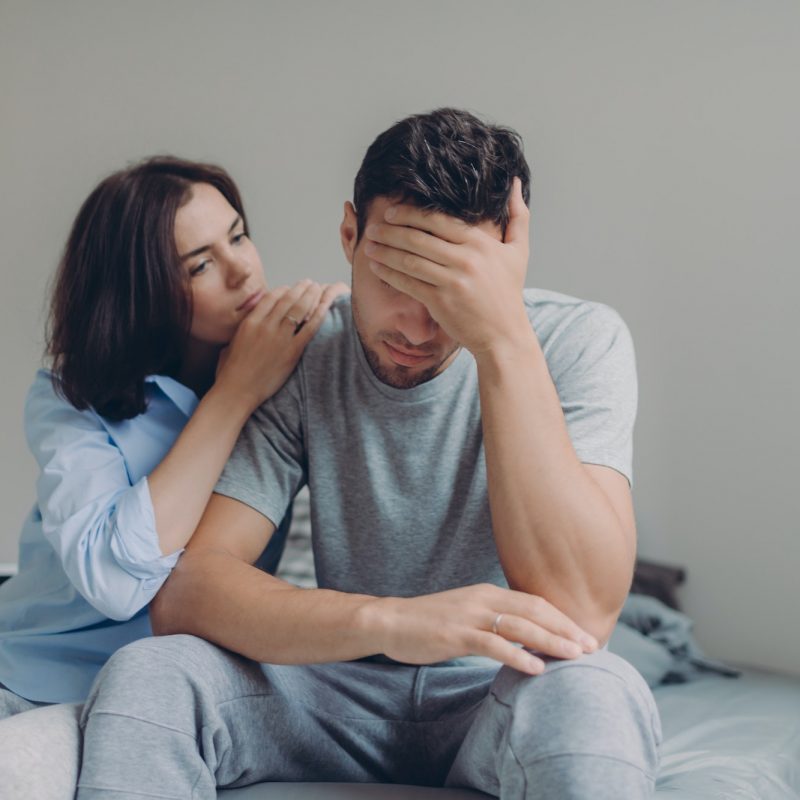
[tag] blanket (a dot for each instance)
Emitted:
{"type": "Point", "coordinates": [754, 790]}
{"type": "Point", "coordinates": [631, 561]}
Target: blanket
{"type": "Point", "coordinates": [658, 641]}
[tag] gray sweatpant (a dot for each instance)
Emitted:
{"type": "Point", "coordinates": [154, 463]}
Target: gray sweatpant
{"type": "Point", "coordinates": [175, 717]}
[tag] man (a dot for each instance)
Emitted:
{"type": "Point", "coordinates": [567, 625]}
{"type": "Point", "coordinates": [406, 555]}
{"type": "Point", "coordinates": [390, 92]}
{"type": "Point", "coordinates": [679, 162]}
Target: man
{"type": "Point", "coordinates": [459, 436]}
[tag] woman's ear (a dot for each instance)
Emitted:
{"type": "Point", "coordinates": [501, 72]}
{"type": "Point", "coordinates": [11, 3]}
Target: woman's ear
{"type": "Point", "coordinates": [348, 231]}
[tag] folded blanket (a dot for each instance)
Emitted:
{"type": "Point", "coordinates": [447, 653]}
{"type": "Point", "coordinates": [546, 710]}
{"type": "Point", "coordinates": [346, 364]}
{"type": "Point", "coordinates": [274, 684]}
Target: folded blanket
{"type": "Point", "coordinates": [658, 641]}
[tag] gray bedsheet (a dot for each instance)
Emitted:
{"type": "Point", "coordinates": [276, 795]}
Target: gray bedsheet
{"type": "Point", "coordinates": [723, 739]}
{"type": "Point", "coordinates": [731, 738]}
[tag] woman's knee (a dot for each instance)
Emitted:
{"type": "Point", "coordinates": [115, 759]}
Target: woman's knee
{"type": "Point", "coordinates": [40, 752]}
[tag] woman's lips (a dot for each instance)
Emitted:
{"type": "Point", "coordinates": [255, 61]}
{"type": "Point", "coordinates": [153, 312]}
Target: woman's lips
{"type": "Point", "coordinates": [251, 301]}
{"type": "Point", "coordinates": [404, 359]}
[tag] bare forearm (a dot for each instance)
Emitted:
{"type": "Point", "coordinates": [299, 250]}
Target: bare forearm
{"type": "Point", "coordinates": [181, 484]}
{"type": "Point", "coordinates": [216, 596]}
{"type": "Point", "coordinates": [557, 534]}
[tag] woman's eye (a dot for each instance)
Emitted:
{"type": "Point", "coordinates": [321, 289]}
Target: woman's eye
{"type": "Point", "coordinates": [198, 269]}
{"type": "Point", "coordinates": [386, 285]}
{"type": "Point", "coordinates": [238, 238]}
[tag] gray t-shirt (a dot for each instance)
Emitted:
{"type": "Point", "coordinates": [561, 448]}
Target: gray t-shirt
{"type": "Point", "coordinates": [397, 477]}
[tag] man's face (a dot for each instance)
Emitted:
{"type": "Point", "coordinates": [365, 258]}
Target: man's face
{"type": "Point", "coordinates": [403, 344]}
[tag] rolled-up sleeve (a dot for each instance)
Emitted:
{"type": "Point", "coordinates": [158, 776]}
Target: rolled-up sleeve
{"type": "Point", "coordinates": [101, 527]}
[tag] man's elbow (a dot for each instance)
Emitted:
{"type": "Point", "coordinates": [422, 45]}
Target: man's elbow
{"type": "Point", "coordinates": [594, 612]}
{"type": "Point", "coordinates": [602, 628]}
{"type": "Point", "coordinates": [600, 609]}
{"type": "Point", "coordinates": [173, 608]}
{"type": "Point", "coordinates": [161, 620]}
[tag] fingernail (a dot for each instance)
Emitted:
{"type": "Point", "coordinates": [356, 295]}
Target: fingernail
{"type": "Point", "coordinates": [390, 212]}
{"type": "Point", "coordinates": [369, 248]}
{"type": "Point", "coordinates": [572, 649]}
{"type": "Point", "coordinates": [588, 641]}
{"type": "Point", "coordinates": [536, 666]}
{"type": "Point", "coordinates": [371, 231]}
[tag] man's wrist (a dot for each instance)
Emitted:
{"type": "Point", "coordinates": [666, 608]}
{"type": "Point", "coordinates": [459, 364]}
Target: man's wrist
{"type": "Point", "coordinates": [373, 622]}
{"type": "Point", "coordinates": [522, 348]}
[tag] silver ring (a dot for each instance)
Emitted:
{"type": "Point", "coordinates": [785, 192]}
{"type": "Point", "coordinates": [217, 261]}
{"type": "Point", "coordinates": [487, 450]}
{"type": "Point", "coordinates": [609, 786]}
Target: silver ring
{"type": "Point", "coordinates": [496, 624]}
{"type": "Point", "coordinates": [294, 321]}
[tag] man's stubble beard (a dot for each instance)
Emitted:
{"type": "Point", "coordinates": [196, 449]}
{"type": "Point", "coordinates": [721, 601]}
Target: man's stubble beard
{"type": "Point", "coordinates": [398, 377]}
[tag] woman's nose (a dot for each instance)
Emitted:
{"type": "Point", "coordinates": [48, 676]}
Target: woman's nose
{"type": "Point", "coordinates": [239, 270]}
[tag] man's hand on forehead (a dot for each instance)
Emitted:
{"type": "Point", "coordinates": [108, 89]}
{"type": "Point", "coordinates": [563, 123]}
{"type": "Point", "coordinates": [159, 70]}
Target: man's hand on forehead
{"type": "Point", "coordinates": [470, 281]}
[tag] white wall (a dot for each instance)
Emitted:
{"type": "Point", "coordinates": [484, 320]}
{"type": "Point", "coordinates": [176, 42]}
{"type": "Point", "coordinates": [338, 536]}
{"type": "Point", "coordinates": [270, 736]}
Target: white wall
{"type": "Point", "coordinates": [664, 139]}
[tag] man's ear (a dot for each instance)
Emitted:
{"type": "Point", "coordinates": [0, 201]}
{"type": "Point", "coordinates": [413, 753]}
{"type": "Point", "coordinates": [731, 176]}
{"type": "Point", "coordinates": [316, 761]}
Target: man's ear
{"type": "Point", "coordinates": [348, 232]}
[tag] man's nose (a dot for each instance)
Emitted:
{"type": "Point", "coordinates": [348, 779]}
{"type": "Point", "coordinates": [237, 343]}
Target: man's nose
{"type": "Point", "coordinates": [415, 323]}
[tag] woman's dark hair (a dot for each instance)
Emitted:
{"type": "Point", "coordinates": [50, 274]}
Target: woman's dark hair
{"type": "Point", "coordinates": [447, 160]}
{"type": "Point", "coordinates": [121, 304]}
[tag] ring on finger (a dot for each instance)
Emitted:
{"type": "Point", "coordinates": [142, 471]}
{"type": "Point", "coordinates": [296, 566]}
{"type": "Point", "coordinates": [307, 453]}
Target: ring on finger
{"type": "Point", "coordinates": [298, 324]}
{"type": "Point", "coordinates": [496, 624]}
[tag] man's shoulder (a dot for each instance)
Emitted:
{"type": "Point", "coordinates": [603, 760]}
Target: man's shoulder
{"type": "Point", "coordinates": [558, 315]}
{"type": "Point", "coordinates": [331, 348]}
{"type": "Point", "coordinates": [335, 327]}
{"type": "Point", "coordinates": [578, 335]}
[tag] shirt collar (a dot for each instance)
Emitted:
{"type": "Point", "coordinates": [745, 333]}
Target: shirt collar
{"type": "Point", "coordinates": [183, 397]}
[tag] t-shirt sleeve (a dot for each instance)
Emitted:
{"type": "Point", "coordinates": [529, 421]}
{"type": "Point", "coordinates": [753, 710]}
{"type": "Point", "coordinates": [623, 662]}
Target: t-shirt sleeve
{"type": "Point", "coordinates": [268, 464]}
{"type": "Point", "coordinates": [593, 366]}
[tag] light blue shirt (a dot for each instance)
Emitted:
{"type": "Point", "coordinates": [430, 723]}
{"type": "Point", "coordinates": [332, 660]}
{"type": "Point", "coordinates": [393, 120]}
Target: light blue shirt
{"type": "Point", "coordinates": [89, 557]}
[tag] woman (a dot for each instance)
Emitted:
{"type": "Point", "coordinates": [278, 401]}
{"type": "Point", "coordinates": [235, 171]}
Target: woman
{"type": "Point", "coordinates": [163, 338]}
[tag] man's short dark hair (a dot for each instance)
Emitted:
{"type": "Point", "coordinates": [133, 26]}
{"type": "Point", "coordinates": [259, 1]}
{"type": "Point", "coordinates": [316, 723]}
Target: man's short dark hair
{"type": "Point", "coordinates": [447, 160]}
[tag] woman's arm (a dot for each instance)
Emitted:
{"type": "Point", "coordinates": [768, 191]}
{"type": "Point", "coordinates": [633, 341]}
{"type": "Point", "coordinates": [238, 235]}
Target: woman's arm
{"type": "Point", "coordinates": [111, 536]}
{"type": "Point", "coordinates": [262, 355]}
{"type": "Point", "coordinates": [101, 528]}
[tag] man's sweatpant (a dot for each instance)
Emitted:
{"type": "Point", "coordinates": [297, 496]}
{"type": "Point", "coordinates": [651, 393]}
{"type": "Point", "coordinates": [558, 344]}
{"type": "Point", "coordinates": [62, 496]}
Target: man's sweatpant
{"type": "Point", "coordinates": [175, 717]}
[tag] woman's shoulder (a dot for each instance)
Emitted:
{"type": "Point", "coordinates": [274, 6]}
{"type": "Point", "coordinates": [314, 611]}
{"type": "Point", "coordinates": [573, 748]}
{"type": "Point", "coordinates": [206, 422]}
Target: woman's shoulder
{"type": "Point", "coordinates": [44, 395]}
{"type": "Point", "coordinates": [50, 417]}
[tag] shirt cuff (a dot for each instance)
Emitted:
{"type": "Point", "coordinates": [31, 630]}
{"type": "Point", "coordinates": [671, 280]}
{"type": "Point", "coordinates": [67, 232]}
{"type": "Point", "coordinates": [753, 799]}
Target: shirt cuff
{"type": "Point", "coordinates": [134, 543]}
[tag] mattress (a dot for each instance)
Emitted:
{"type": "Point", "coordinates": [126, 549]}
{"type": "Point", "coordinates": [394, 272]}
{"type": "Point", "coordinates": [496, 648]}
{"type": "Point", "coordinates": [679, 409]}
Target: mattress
{"type": "Point", "coordinates": [723, 739]}
{"type": "Point", "coordinates": [731, 738]}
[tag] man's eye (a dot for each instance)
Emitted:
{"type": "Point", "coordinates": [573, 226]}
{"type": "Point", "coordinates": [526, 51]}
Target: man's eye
{"type": "Point", "coordinates": [386, 285]}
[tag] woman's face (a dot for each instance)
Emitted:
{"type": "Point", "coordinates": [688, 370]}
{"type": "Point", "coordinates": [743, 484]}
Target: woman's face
{"type": "Point", "coordinates": [223, 265]}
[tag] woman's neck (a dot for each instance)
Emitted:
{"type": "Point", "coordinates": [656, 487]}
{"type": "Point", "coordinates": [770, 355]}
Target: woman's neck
{"type": "Point", "coordinates": [199, 366]}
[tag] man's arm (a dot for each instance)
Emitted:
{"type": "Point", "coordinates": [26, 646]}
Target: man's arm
{"type": "Point", "coordinates": [215, 592]}
{"type": "Point", "coordinates": [564, 530]}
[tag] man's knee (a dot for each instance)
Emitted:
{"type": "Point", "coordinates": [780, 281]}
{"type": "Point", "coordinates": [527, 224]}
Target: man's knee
{"type": "Point", "coordinates": [597, 705]}
{"type": "Point", "coordinates": [153, 672]}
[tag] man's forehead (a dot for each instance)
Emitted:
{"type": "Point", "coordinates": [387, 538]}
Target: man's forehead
{"type": "Point", "coordinates": [379, 204]}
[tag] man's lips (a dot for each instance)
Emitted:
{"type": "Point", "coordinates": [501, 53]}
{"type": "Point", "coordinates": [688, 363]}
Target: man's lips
{"type": "Point", "coordinates": [251, 301]}
{"type": "Point", "coordinates": [406, 359]}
